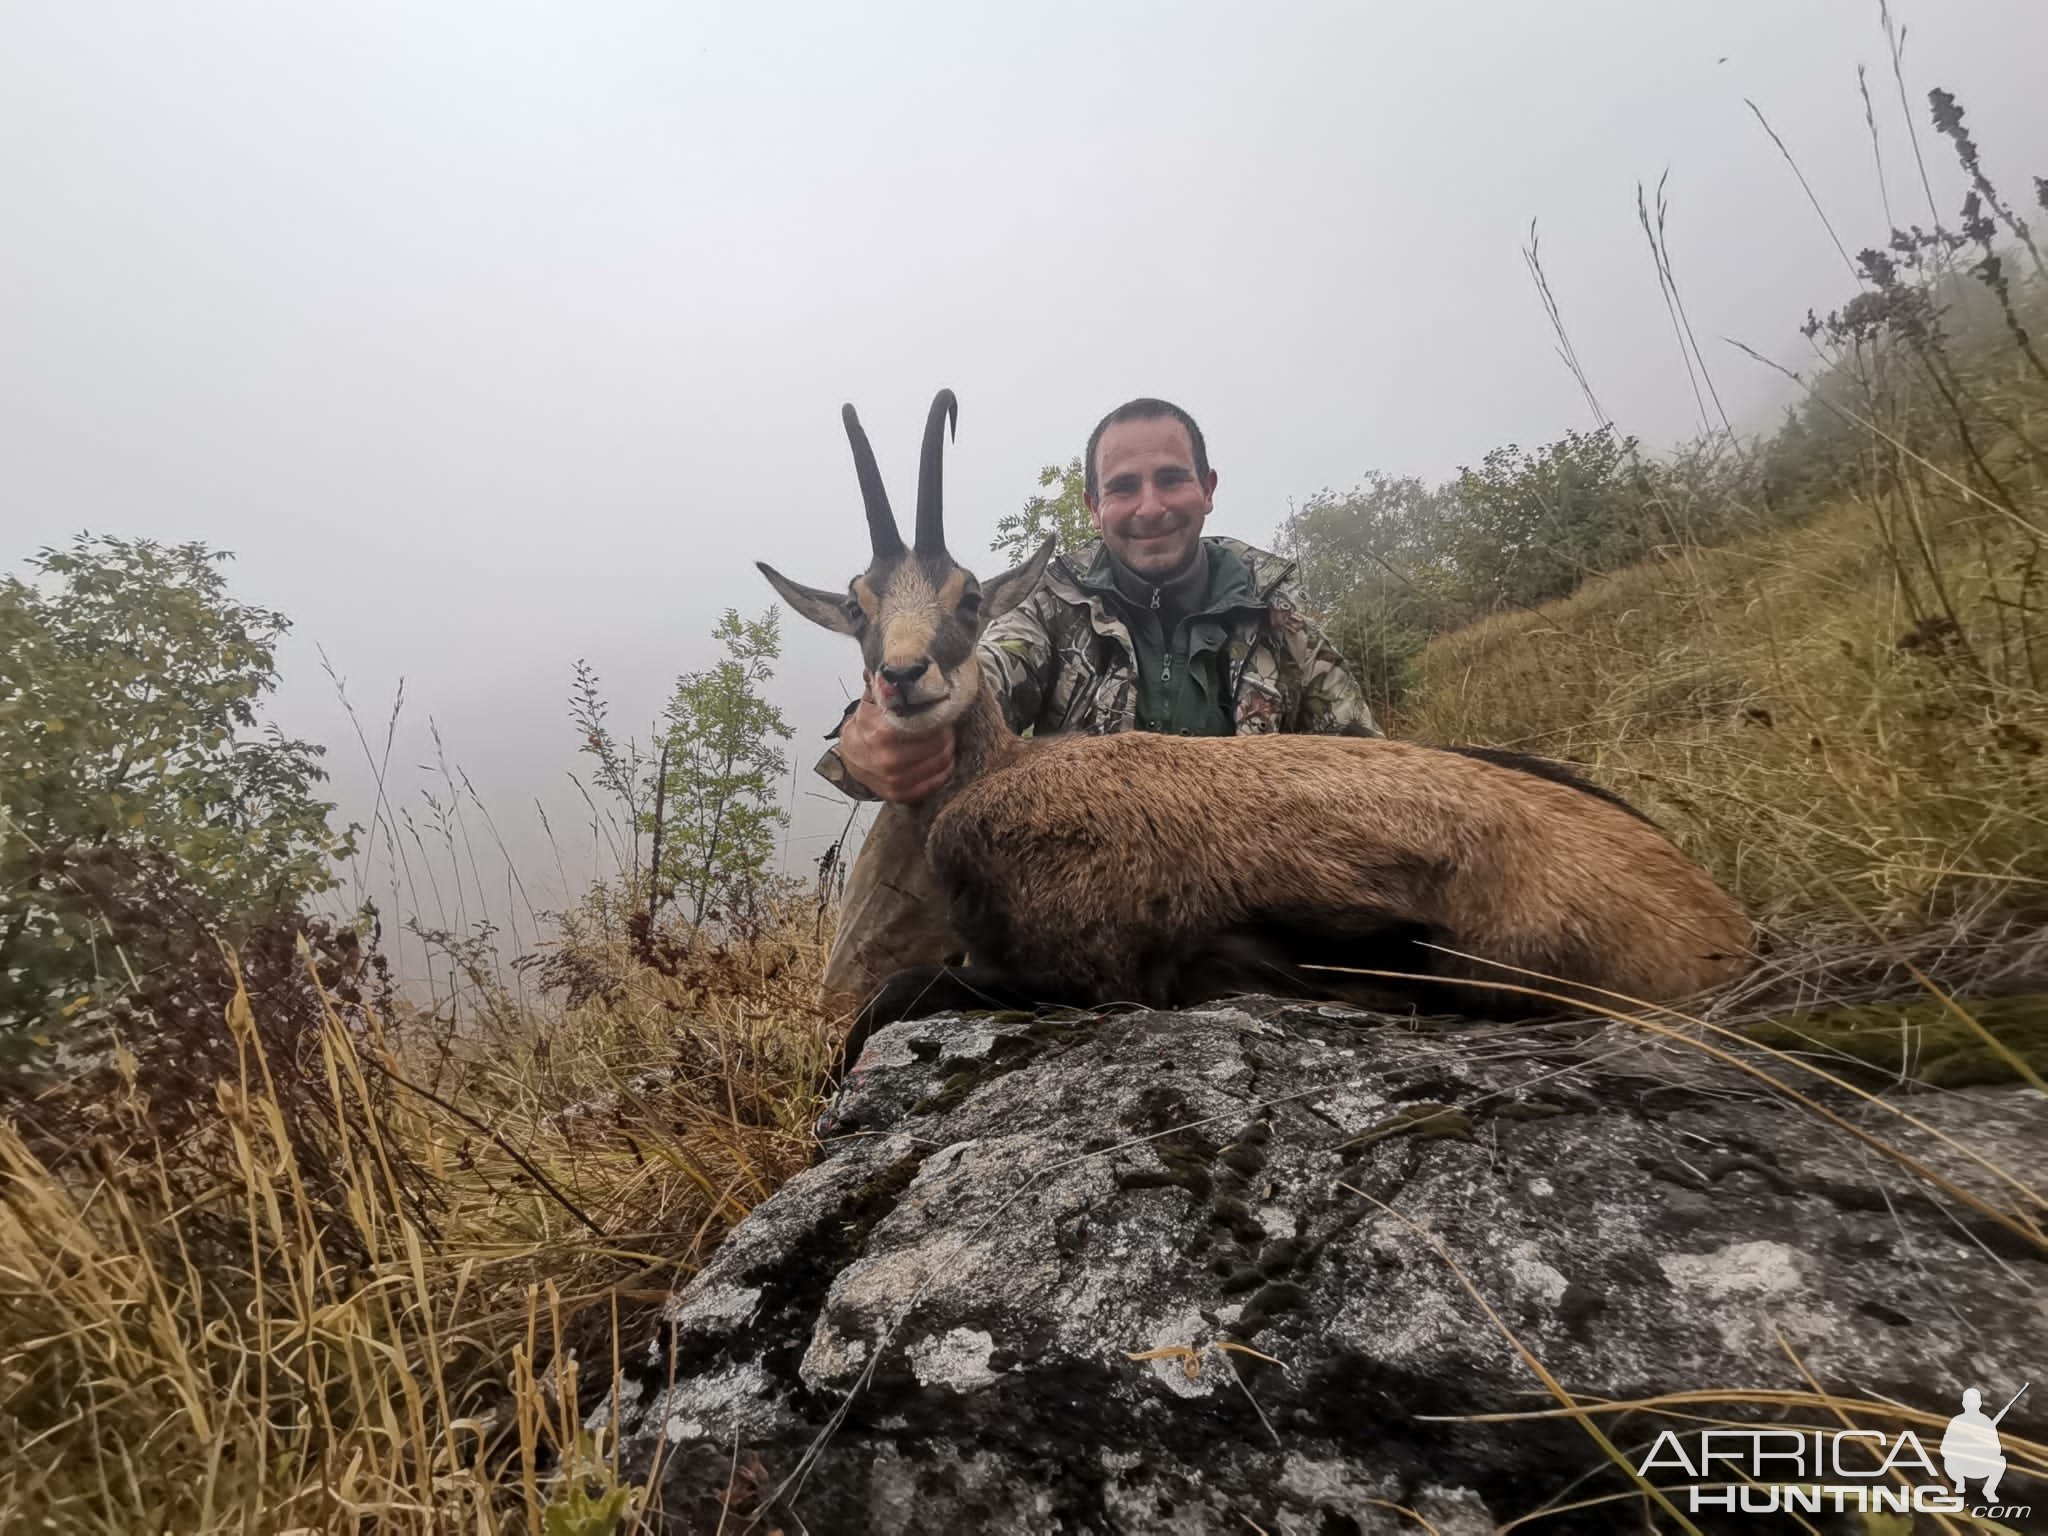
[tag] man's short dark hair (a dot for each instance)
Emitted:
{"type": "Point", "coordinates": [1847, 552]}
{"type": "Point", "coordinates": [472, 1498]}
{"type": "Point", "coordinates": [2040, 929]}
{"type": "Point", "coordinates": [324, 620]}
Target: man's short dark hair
{"type": "Point", "coordinates": [1146, 409]}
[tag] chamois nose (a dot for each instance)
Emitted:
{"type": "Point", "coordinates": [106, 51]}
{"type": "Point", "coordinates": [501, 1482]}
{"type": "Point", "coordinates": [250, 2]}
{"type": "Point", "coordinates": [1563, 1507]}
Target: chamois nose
{"type": "Point", "coordinates": [901, 678]}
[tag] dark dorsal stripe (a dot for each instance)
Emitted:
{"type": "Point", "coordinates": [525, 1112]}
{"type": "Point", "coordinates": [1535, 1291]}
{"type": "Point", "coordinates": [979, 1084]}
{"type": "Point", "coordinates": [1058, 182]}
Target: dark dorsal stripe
{"type": "Point", "coordinates": [1547, 768]}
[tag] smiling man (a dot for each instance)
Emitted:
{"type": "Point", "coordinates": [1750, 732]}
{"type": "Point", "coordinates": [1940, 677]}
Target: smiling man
{"type": "Point", "coordinates": [1154, 627]}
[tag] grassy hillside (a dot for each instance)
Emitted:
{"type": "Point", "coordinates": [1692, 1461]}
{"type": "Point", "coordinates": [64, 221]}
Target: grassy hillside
{"type": "Point", "coordinates": [1828, 741]}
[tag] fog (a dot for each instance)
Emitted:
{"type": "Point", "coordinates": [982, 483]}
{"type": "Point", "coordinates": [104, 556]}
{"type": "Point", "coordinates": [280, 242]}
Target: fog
{"type": "Point", "coordinates": [491, 337]}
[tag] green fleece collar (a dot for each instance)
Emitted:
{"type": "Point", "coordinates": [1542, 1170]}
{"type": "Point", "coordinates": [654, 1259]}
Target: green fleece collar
{"type": "Point", "coordinates": [1266, 573]}
{"type": "Point", "coordinates": [1230, 578]}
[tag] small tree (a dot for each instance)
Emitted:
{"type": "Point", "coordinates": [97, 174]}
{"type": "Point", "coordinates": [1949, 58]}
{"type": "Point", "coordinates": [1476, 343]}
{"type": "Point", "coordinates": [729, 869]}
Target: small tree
{"type": "Point", "coordinates": [1535, 525]}
{"type": "Point", "coordinates": [135, 770]}
{"type": "Point", "coordinates": [1372, 562]}
{"type": "Point", "coordinates": [718, 817]}
{"type": "Point", "coordinates": [1063, 515]}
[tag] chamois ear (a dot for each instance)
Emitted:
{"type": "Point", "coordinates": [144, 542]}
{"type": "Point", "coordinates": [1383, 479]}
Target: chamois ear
{"type": "Point", "coordinates": [1001, 593]}
{"type": "Point", "coordinates": [834, 610]}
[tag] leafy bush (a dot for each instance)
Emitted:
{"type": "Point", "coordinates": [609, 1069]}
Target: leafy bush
{"type": "Point", "coordinates": [1373, 562]}
{"type": "Point", "coordinates": [135, 769]}
{"type": "Point", "coordinates": [1532, 526]}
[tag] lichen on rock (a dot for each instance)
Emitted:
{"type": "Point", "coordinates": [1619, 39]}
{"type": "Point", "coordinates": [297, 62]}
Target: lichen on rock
{"type": "Point", "coordinates": [1174, 1272]}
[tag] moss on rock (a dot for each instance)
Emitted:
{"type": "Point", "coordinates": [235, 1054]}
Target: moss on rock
{"type": "Point", "coordinates": [1430, 1122]}
{"type": "Point", "coordinates": [1920, 1041]}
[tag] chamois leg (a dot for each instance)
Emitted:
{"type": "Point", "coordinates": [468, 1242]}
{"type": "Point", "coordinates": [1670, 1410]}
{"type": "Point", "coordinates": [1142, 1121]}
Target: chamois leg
{"type": "Point", "coordinates": [1240, 964]}
{"type": "Point", "coordinates": [1319, 956]}
{"type": "Point", "coordinates": [1282, 953]}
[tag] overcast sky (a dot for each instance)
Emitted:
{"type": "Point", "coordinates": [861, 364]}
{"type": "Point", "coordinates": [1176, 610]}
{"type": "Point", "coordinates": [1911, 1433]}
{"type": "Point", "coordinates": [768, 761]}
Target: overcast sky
{"type": "Point", "coordinates": [493, 335]}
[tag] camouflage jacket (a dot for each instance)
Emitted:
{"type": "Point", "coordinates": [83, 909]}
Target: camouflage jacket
{"type": "Point", "coordinates": [1063, 661]}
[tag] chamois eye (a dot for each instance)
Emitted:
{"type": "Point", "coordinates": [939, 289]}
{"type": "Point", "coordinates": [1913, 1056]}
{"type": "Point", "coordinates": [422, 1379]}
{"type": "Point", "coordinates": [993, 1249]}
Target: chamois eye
{"type": "Point", "coordinates": [970, 605]}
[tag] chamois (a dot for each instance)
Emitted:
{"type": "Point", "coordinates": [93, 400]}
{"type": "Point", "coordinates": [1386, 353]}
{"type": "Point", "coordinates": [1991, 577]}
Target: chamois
{"type": "Point", "coordinates": [1168, 870]}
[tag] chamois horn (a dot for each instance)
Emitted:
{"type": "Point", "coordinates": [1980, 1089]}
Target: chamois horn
{"type": "Point", "coordinates": [931, 514]}
{"type": "Point", "coordinates": [882, 533]}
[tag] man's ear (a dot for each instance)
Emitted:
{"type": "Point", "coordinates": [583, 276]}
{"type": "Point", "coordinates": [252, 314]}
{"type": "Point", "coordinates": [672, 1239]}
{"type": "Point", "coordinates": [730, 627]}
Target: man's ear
{"type": "Point", "coordinates": [1094, 512]}
{"type": "Point", "coordinates": [1002, 593]}
{"type": "Point", "coordinates": [834, 610]}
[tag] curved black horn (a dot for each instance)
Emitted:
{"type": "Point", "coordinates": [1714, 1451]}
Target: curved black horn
{"type": "Point", "coordinates": [931, 512]}
{"type": "Point", "coordinates": [882, 532]}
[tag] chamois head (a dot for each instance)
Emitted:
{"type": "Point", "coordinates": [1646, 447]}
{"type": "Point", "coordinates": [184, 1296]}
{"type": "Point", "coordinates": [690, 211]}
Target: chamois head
{"type": "Point", "coordinates": [916, 612]}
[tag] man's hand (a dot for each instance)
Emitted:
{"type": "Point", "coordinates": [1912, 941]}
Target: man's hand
{"type": "Point", "coordinates": [897, 767]}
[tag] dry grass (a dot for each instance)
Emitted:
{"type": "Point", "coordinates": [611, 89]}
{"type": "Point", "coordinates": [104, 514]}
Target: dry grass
{"type": "Point", "coordinates": [1846, 762]}
{"type": "Point", "coordinates": [409, 1354]}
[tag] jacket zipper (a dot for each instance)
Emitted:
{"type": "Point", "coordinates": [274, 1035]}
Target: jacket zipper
{"type": "Point", "coordinates": [1261, 594]}
{"type": "Point", "coordinates": [1166, 666]}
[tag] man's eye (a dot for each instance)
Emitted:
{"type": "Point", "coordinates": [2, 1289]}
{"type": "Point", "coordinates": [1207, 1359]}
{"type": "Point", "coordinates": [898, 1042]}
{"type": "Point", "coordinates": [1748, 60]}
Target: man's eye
{"type": "Point", "coordinates": [1172, 477]}
{"type": "Point", "coordinates": [1122, 485]}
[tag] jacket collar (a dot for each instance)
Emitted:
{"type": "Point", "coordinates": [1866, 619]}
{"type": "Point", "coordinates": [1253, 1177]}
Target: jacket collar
{"type": "Point", "coordinates": [1265, 571]}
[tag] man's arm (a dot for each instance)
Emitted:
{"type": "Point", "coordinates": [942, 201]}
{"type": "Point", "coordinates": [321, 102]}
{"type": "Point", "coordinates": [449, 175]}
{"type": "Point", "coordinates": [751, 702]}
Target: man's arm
{"type": "Point", "coordinates": [1017, 658]}
{"type": "Point", "coordinates": [1329, 701]}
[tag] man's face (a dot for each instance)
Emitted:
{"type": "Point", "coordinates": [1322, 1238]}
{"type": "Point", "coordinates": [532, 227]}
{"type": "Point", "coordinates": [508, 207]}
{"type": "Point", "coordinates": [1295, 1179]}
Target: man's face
{"type": "Point", "coordinates": [1149, 505]}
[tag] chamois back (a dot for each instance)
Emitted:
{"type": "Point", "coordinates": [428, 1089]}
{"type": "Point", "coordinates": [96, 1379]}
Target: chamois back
{"type": "Point", "coordinates": [1132, 862]}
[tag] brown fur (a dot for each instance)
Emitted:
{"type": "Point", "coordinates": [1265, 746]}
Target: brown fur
{"type": "Point", "coordinates": [1169, 870]}
{"type": "Point", "coordinates": [1125, 861]}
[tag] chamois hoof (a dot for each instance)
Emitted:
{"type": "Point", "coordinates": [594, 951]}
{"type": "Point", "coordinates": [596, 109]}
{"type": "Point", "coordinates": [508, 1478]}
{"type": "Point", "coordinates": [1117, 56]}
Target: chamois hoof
{"type": "Point", "coordinates": [917, 992]}
{"type": "Point", "coordinates": [902, 996]}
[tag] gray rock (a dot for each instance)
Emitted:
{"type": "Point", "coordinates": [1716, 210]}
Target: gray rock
{"type": "Point", "coordinates": [1022, 1288]}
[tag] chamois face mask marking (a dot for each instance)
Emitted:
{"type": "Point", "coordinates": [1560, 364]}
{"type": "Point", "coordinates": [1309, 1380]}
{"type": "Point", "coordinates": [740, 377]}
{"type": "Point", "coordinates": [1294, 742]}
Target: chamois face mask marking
{"type": "Point", "coordinates": [915, 611]}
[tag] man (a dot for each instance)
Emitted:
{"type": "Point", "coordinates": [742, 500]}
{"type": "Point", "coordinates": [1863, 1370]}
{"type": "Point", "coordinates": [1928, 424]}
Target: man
{"type": "Point", "coordinates": [1153, 628]}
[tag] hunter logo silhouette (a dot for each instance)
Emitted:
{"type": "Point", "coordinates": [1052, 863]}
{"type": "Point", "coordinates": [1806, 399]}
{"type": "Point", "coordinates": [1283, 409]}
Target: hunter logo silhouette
{"type": "Point", "coordinates": [1970, 1446]}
